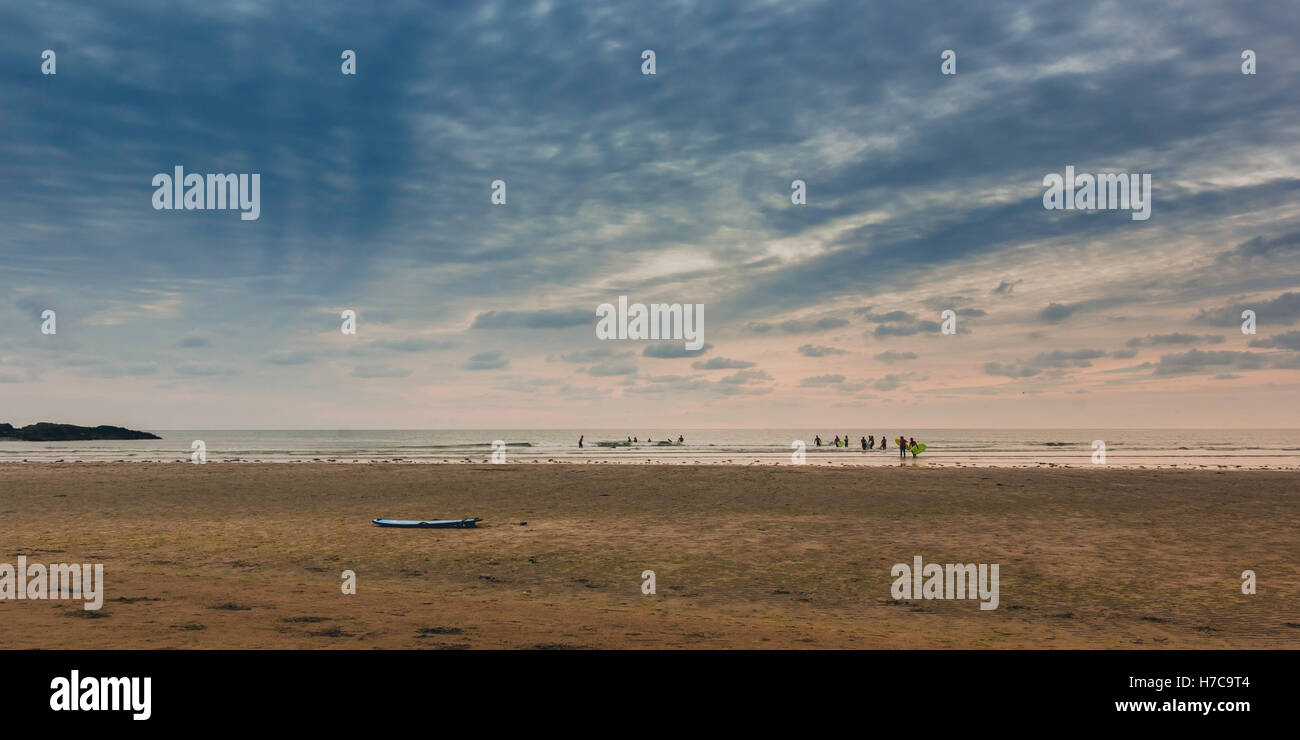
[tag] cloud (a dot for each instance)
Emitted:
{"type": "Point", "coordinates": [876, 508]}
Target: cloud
{"type": "Point", "coordinates": [380, 370]}
{"type": "Point", "coordinates": [1284, 310]}
{"type": "Point", "coordinates": [289, 358]}
{"type": "Point", "coordinates": [1286, 340]}
{"type": "Point", "coordinates": [746, 376]}
{"type": "Point", "coordinates": [736, 385]}
{"type": "Point", "coordinates": [888, 382]}
{"type": "Point", "coordinates": [594, 355]}
{"type": "Point", "coordinates": [1051, 364]}
{"type": "Point", "coordinates": [486, 361]}
{"type": "Point", "coordinates": [1062, 358]}
{"type": "Point", "coordinates": [1174, 338]}
{"type": "Point", "coordinates": [1056, 312]}
{"type": "Point", "coordinates": [907, 330]}
{"type": "Point", "coordinates": [673, 350]}
{"type": "Point", "coordinates": [721, 363]}
{"type": "Point", "coordinates": [1010, 370]}
{"type": "Point", "coordinates": [612, 368]}
{"type": "Point", "coordinates": [1279, 248]}
{"type": "Point", "coordinates": [1194, 361]}
{"type": "Point", "coordinates": [888, 317]}
{"type": "Point", "coordinates": [412, 344]}
{"type": "Point", "coordinates": [202, 370]}
{"type": "Point", "coordinates": [545, 319]}
{"type": "Point", "coordinates": [371, 203]}
{"type": "Point", "coordinates": [899, 323]}
{"type": "Point", "coordinates": [194, 340]}
{"type": "Point", "coordinates": [821, 380]}
{"type": "Point", "coordinates": [809, 350]}
{"type": "Point", "coordinates": [890, 356]}
{"type": "Point", "coordinates": [801, 326]}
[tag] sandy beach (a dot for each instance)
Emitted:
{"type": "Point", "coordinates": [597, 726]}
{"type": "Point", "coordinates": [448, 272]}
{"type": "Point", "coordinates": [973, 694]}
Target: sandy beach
{"type": "Point", "coordinates": [251, 556]}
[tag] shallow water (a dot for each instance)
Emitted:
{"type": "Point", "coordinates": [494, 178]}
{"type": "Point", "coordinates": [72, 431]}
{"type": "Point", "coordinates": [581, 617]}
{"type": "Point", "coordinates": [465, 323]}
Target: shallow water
{"type": "Point", "coordinates": [1187, 448]}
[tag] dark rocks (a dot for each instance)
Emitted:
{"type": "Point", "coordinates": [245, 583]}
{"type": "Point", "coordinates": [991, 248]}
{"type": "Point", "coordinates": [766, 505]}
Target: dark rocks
{"type": "Point", "coordinates": [45, 431]}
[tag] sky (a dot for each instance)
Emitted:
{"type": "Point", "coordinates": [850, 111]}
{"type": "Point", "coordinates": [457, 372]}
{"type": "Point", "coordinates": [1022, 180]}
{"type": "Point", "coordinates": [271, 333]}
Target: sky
{"type": "Point", "coordinates": [924, 194]}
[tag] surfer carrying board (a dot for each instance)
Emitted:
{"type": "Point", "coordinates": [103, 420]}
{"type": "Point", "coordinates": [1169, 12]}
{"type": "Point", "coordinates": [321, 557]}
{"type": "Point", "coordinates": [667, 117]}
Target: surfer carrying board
{"type": "Point", "coordinates": [902, 447]}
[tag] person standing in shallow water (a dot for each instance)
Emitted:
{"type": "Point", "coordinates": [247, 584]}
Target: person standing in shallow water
{"type": "Point", "coordinates": [864, 444]}
{"type": "Point", "coordinates": [902, 447]}
{"type": "Point", "coordinates": [580, 438]}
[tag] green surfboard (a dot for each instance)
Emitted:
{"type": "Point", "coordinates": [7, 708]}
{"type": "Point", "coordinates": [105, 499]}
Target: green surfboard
{"type": "Point", "coordinates": [918, 448]}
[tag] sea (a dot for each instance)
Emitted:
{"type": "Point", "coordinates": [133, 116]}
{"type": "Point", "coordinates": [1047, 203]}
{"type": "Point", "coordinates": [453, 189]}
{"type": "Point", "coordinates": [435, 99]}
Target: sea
{"type": "Point", "coordinates": [1152, 448]}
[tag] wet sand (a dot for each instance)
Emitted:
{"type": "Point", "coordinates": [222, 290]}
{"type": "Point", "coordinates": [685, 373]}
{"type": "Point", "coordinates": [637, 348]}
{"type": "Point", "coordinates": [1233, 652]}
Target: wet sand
{"type": "Point", "coordinates": [251, 556]}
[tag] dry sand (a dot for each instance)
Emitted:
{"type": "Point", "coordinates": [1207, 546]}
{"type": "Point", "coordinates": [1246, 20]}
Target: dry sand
{"type": "Point", "coordinates": [250, 556]}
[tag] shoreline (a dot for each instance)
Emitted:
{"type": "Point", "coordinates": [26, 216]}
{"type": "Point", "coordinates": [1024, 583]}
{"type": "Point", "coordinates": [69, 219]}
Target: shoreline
{"type": "Point", "coordinates": [925, 464]}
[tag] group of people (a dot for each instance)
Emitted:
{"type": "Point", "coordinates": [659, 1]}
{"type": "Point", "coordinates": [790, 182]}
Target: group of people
{"type": "Point", "coordinates": [680, 440]}
{"type": "Point", "coordinates": [904, 444]}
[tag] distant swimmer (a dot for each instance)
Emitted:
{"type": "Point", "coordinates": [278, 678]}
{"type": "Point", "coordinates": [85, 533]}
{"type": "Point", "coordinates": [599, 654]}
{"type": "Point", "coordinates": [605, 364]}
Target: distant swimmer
{"type": "Point", "coordinates": [818, 440]}
{"type": "Point", "coordinates": [680, 439]}
{"type": "Point", "coordinates": [580, 438]}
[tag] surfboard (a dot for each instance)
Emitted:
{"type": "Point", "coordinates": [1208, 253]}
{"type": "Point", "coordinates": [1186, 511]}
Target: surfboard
{"type": "Point", "coordinates": [428, 523]}
{"type": "Point", "coordinates": [918, 448]}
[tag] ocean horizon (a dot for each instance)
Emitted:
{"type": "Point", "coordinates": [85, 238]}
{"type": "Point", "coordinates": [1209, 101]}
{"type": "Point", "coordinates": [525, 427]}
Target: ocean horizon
{"type": "Point", "coordinates": [1180, 448]}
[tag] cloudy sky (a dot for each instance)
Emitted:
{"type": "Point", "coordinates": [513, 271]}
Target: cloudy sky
{"type": "Point", "coordinates": [924, 194]}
